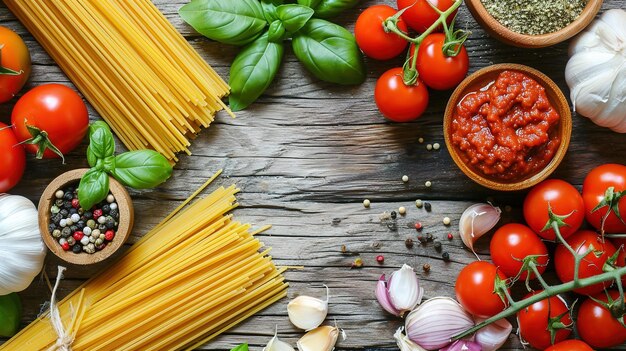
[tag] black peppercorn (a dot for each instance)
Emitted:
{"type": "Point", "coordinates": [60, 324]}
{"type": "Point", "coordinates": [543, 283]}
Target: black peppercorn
{"type": "Point", "coordinates": [115, 213]}
{"type": "Point", "coordinates": [437, 245]}
{"type": "Point", "coordinates": [102, 227]}
{"type": "Point", "coordinates": [109, 222]}
{"type": "Point", "coordinates": [73, 211]}
{"type": "Point", "coordinates": [409, 243]}
{"type": "Point", "coordinates": [70, 189]}
{"type": "Point", "coordinates": [77, 248]}
{"type": "Point", "coordinates": [106, 209]}
{"type": "Point", "coordinates": [65, 213]}
{"type": "Point", "coordinates": [52, 227]}
{"type": "Point", "coordinates": [68, 196]}
{"type": "Point", "coordinates": [428, 206]}
{"type": "Point", "coordinates": [445, 256]}
{"type": "Point", "coordinates": [429, 237]}
{"type": "Point", "coordinates": [67, 206]}
{"type": "Point", "coordinates": [392, 226]}
{"type": "Point", "coordinates": [65, 232]}
{"type": "Point", "coordinates": [88, 215]}
{"type": "Point", "coordinates": [394, 214]}
{"type": "Point", "coordinates": [80, 224]}
{"type": "Point", "coordinates": [56, 218]}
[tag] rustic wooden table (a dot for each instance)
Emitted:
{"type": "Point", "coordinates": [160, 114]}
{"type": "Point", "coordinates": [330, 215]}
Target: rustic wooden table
{"type": "Point", "coordinates": [305, 156]}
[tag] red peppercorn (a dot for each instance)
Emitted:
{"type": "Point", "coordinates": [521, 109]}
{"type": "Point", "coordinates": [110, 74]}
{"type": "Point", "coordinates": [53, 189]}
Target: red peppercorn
{"type": "Point", "coordinates": [65, 246]}
{"type": "Point", "coordinates": [78, 235]}
{"type": "Point", "coordinates": [75, 203]}
{"type": "Point", "coordinates": [380, 259]}
{"type": "Point", "coordinates": [418, 226]}
{"type": "Point", "coordinates": [109, 235]}
{"type": "Point", "coordinates": [450, 236]}
{"type": "Point", "coordinates": [97, 213]}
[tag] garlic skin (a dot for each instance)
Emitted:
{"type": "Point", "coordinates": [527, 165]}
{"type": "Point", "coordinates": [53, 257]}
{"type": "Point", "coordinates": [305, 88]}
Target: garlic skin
{"type": "Point", "coordinates": [320, 339]}
{"type": "Point", "coordinates": [276, 344]}
{"type": "Point", "coordinates": [436, 321]}
{"type": "Point", "coordinates": [401, 293]}
{"type": "Point", "coordinates": [596, 71]}
{"type": "Point", "coordinates": [463, 345]}
{"type": "Point", "coordinates": [21, 247]}
{"type": "Point", "coordinates": [306, 312]}
{"type": "Point", "coordinates": [476, 221]}
{"type": "Point", "coordinates": [493, 336]}
{"type": "Point", "coordinates": [404, 343]}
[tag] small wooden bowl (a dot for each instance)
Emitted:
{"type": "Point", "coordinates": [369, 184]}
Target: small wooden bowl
{"type": "Point", "coordinates": [556, 97]}
{"type": "Point", "coordinates": [504, 34]}
{"type": "Point", "coordinates": [125, 222]}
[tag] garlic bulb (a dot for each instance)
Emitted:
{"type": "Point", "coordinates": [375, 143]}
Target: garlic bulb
{"type": "Point", "coordinates": [401, 293]}
{"type": "Point", "coordinates": [476, 221]}
{"type": "Point", "coordinates": [493, 336]}
{"type": "Point", "coordinates": [21, 247]}
{"type": "Point", "coordinates": [307, 312]}
{"type": "Point", "coordinates": [404, 343]}
{"type": "Point", "coordinates": [463, 345]}
{"type": "Point", "coordinates": [436, 321]}
{"type": "Point", "coordinates": [276, 344]}
{"type": "Point", "coordinates": [320, 339]}
{"type": "Point", "coordinates": [596, 71]}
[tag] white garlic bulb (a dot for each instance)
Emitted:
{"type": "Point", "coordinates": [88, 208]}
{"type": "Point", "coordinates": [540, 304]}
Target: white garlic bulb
{"type": "Point", "coordinates": [596, 71]}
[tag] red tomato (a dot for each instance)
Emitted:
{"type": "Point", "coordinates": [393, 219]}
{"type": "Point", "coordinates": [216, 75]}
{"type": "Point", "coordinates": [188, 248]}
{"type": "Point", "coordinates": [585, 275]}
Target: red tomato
{"type": "Point", "coordinates": [474, 289]}
{"type": "Point", "coordinates": [596, 325]}
{"type": "Point", "coordinates": [56, 110]}
{"type": "Point", "coordinates": [570, 345]}
{"type": "Point", "coordinates": [511, 244]}
{"type": "Point", "coordinates": [563, 198]}
{"type": "Point", "coordinates": [13, 160]}
{"type": "Point", "coordinates": [421, 15]}
{"type": "Point", "coordinates": [397, 101]}
{"type": "Point", "coordinates": [437, 70]}
{"type": "Point", "coordinates": [595, 185]}
{"type": "Point", "coordinates": [15, 57]}
{"type": "Point", "coordinates": [371, 36]}
{"type": "Point", "coordinates": [533, 322]}
{"type": "Point", "coordinates": [590, 266]}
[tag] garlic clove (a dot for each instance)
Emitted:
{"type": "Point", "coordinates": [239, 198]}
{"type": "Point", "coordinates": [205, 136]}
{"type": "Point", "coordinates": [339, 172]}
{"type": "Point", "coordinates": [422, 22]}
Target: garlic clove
{"type": "Point", "coordinates": [404, 343]}
{"type": "Point", "coordinates": [320, 339]}
{"type": "Point", "coordinates": [306, 312]}
{"type": "Point", "coordinates": [382, 295]}
{"type": "Point", "coordinates": [493, 336]}
{"type": "Point", "coordinates": [463, 345]}
{"type": "Point", "coordinates": [436, 321]}
{"type": "Point", "coordinates": [275, 344]}
{"type": "Point", "coordinates": [476, 221]}
{"type": "Point", "coordinates": [404, 290]}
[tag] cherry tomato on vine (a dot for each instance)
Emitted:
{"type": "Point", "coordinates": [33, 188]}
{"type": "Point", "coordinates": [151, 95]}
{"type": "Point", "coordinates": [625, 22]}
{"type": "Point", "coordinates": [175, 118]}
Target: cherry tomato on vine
{"type": "Point", "coordinates": [51, 115]}
{"type": "Point", "coordinates": [421, 15]}
{"type": "Point", "coordinates": [594, 188]}
{"type": "Point", "coordinates": [397, 101]}
{"type": "Point", "coordinates": [570, 345]}
{"type": "Point", "coordinates": [14, 64]}
{"type": "Point", "coordinates": [12, 159]}
{"type": "Point", "coordinates": [372, 38]}
{"type": "Point", "coordinates": [475, 289]}
{"type": "Point", "coordinates": [511, 244]}
{"type": "Point", "coordinates": [437, 70]}
{"type": "Point", "coordinates": [591, 265]}
{"type": "Point", "coordinates": [563, 198]}
{"type": "Point", "coordinates": [596, 325]}
{"type": "Point", "coordinates": [533, 321]}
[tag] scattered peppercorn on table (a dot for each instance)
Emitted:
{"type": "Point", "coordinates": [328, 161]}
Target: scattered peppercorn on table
{"type": "Point", "coordinates": [306, 155]}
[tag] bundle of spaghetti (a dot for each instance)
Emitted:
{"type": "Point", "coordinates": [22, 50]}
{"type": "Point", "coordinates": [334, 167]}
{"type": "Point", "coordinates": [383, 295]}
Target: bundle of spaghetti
{"type": "Point", "coordinates": [189, 279]}
{"type": "Point", "coordinates": [137, 71]}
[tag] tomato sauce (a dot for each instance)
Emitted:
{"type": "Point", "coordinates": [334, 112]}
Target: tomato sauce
{"type": "Point", "coordinates": [507, 129]}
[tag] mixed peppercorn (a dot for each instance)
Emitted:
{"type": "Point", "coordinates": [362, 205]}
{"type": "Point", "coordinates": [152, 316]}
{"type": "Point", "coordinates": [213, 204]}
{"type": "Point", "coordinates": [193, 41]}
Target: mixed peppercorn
{"type": "Point", "coordinates": [79, 230]}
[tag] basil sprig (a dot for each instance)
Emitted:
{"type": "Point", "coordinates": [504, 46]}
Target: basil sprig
{"type": "Point", "coordinates": [140, 169]}
{"type": "Point", "coordinates": [327, 50]}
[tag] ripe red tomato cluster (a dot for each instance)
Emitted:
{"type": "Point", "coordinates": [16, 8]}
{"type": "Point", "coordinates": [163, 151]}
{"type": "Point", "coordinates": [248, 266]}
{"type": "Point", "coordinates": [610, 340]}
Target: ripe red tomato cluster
{"type": "Point", "coordinates": [511, 243]}
{"type": "Point", "coordinates": [396, 100]}
{"type": "Point", "coordinates": [50, 115]}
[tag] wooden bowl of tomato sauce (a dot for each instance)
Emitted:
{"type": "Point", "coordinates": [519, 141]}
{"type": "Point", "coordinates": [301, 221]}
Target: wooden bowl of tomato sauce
{"type": "Point", "coordinates": [507, 126]}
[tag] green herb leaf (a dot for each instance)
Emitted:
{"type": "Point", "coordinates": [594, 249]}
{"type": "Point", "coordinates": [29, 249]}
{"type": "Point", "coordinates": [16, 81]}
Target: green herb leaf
{"type": "Point", "coordinates": [329, 52]}
{"type": "Point", "coordinates": [231, 22]}
{"type": "Point", "coordinates": [253, 71]}
{"type": "Point", "coordinates": [277, 32]}
{"type": "Point", "coordinates": [10, 314]}
{"type": "Point", "coordinates": [109, 164]}
{"type": "Point", "coordinates": [242, 347]}
{"type": "Point", "coordinates": [142, 169]}
{"type": "Point", "coordinates": [93, 188]}
{"type": "Point", "coordinates": [101, 142]}
{"type": "Point", "coordinates": [294, 16]}
{"type": "Point", "coordinates": [269, 9]}
{"type": "Point", "coordinates": [328, 8]}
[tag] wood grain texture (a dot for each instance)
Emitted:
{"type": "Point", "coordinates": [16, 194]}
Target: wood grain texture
{"type": "Point", "coordinates": [305, 156]}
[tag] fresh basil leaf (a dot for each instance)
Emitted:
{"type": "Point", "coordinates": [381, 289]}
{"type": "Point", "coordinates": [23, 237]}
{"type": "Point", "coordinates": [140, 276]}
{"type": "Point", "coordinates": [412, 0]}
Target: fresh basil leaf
{"type": "Point", "coordinates": [276, 32]}
{"type": "Point", "coordinates": [269, 9]}
{"type": "Point", "coordinates": [331, 8]}
{"type": "Point", "coordinates": [93, 188]}
{"type": "Point", "coordinates": [141, 169]}
{"type": "Point", "coordinates": [310, 3]}
{"type": "Point", "coordinates": [108, 164]}
{"type": "Point", "coordinates": [10, 314]}
{"type": "Point", "coordinates": [294, 16]}
{"type": "Point", "coordinates": [236, 22]}
{"type": "Point", "coordinates": [242, 347]}
{"type": "Point", "coordinates": [329, 52]}
{"type": "Point", "coordinates": [253, 70]}
{"type": "Point", "coordinates": [101, 142]}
